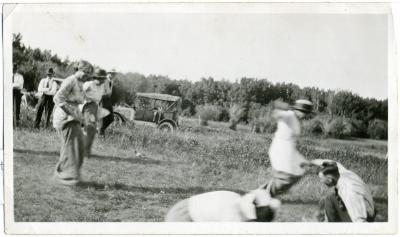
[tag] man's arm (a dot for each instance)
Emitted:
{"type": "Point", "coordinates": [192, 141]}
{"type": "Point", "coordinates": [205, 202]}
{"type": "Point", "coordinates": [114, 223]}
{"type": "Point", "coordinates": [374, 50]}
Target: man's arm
{"type": "Point", "coordinates": [41, 87]}
{"type": "Point", "coordinates": [355, 206]}
{"type": "Point", "coordinates": [61, 99]}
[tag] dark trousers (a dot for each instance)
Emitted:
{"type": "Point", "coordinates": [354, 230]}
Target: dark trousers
{"type": "Point", "coordinates": [16, 105]}
{"type": "Point", "coordinates": [334, 209]}
{"type": "Point", "coordinates": [106, 103]}
{"type": "Point", "coordinates": [45, 103]}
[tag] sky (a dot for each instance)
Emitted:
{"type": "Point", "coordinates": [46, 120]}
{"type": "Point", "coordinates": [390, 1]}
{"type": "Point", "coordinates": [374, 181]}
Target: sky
{"type": "Point", "coordinates": [329, 51]}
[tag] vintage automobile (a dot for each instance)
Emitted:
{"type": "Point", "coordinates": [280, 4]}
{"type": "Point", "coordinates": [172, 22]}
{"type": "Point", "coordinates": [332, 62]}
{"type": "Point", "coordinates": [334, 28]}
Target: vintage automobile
{"type": "Point", "coordinates": [157, 110]}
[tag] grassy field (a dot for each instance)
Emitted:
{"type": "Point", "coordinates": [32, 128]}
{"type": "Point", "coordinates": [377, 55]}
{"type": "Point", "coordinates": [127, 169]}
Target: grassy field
{"type": "Point", "coordinates": [137, 172]}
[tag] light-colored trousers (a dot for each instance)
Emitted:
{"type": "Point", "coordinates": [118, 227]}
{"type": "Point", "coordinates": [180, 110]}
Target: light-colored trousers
{"type": "Point", "coordinates": [71, 154]}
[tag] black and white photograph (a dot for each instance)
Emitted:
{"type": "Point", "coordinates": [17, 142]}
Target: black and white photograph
{"type": "Point", "coordinates": [200, 118]}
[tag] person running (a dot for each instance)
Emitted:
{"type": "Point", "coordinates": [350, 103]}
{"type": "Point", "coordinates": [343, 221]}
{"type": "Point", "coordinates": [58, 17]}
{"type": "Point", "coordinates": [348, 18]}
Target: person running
{"type": "Point", "coordinates": [288, 165]}
{"type": "Point", "coordinates": [18, 85]}
{"type": "Point", "coordinates": [351, 200]}
{"type": "Point", "coordinates": [67, 120]}
{"type": "Point", "coordinates": [47, 89]}
{"type": "Point", "coordinates": [106, 102]}
{"type": "Point", "coordinates": [93, 91]}
{"type": "Point", "coordinates": [227, 206]}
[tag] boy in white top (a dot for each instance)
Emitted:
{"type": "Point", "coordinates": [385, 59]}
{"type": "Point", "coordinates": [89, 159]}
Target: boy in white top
{"type": "Point", "coordinates": [47, 89]}
{"type": "Point", "coordinates": [225, 206]}
{"type": "Point", "coordinates": [18, 85]}
{"type": "Point", "coordinates": [93, 92]}
{"type": "Point", "coordinates": [288, 165]}
{"type": "Point", "coordinates": [352, 200]}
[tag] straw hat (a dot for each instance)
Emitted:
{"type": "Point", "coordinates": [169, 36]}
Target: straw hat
{"type": "Point", "coordinates": [304, 106]}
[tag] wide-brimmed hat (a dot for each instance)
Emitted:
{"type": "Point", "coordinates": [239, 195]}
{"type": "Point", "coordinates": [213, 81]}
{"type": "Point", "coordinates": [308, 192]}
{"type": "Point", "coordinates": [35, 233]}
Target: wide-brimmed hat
{"type": "Point", "coordinates": [329, 168]}
{"type": "Point", "coordinates": [50, 71]}
{"type": "Point", "coordinates": [112, 72]}
{"type": "Point", "coordinates": [304, 106]}
{"type": "Point", "coordinates": [100, 74]}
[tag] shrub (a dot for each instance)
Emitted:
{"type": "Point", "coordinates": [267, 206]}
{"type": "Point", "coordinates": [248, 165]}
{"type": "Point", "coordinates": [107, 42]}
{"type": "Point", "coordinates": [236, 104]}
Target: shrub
{"type": "Point", "coordinates": [236, 113]}
{"type": "Point", "coordinates": [314, 127]}
{"type": "Point", "coordinates": [337, 128]}
{"type": "Point", "coordinates": [208, 112]}
{"type": "Point", "coordinates": [377, 129]}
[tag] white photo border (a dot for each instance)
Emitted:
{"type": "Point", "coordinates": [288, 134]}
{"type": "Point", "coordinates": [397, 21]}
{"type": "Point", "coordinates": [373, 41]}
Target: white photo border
{"type": "Point", "coordinates": [390, 227]}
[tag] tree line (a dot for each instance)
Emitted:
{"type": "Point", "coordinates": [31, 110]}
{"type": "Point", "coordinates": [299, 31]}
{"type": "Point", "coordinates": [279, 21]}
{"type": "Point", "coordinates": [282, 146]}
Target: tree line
{"type": "Point", "coordinates": [246, 99]}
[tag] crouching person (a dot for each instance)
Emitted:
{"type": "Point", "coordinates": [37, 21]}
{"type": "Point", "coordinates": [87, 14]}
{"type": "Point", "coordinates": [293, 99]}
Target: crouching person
{"type": "Point", "coordinates": [351, 201]}
{"type": "Point", "coordinates": [219, 206]}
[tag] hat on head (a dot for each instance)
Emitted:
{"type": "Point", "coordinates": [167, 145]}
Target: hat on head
{"type": "Point", "coordinates": [100, 74]}
{"type": "Point", "coordinates": [50, 71]}
{"type": "Point", "coordinates": [329, 168]}
{"type": "Point", "coordinates": [304, 106]}
{"type": "Point", "coordinates": [112, 72]}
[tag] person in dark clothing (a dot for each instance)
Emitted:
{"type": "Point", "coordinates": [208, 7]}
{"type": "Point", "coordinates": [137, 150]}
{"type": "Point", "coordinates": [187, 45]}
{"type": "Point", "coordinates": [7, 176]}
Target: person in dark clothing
{"type": "Point", "coordinates": [106, 103]}
{"type": "Point", "coordinates": [18, 85]}
{"type": "Point", "coordinates": [47, 88]}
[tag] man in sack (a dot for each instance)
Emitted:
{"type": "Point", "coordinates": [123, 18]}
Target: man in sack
{"type": "Point", "coordinates": [288, 165]}
{"type": "Point", "coordinates": [351, 200]}
{"type": "Point", "coordinates": [225, 206]}
{"type": "Point", "coordinates": [46, 90]}
{"type": "Point", "coordinates": [92, 113]}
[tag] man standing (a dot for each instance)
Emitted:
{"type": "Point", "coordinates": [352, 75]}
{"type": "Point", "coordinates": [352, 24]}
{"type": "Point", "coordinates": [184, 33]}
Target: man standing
{"type": "Point", "coordinates": [352, 201]}
{"type": "Point", "coordinates": [48, 88]}
{"type": "Point", "coordinates": [18, 85]}
{"type": "Point", "coordinates": [106, 102]}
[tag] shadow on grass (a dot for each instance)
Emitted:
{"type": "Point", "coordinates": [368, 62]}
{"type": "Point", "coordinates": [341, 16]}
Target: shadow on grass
{"type": "Point", "coordinates": [171, 190]}
{"type": "Point", "coordinates": [94, 156]}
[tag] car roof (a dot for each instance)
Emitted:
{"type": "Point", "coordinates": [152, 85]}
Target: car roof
{"type": "Point", "coordinates": [159, 96]}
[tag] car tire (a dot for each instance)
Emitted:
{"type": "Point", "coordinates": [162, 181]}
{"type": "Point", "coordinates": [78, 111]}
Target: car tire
{"type": "Point", "coordinates": [166, 126]}
{"type": "Point", "coordinates": [118, 119]}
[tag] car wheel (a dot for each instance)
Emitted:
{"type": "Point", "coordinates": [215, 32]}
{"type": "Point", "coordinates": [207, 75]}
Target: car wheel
{"type": "Point", "coordinates": [118, 119]}
{"type": "Point", "coordinates": [166, 126]}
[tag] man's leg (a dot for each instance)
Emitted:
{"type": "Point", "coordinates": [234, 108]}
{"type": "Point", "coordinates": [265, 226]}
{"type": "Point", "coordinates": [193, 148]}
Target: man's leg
{"type": "Point", "coordinates": [281, 182]}
{"type": "Point", "coordinates": [90, 128]}
{"type": "Point", "coordinates": [40, 107]}
{"type": "Point", "coordinates": [335, 210]}
{"type": "Point", "coordinates": [17, 105]}
{"type": "Point", "coordinates": [49, 109]}
{"type": "Point", "coordinates": [106, 121]}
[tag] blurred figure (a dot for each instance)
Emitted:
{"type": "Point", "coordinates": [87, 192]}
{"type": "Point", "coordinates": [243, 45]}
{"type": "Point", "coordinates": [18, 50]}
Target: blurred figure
{"type": "Point", "coordinates": [47, 89]}
{"type": "Point", "coordinates": [352, 200]}
{"type": "Point", "coordinates": [93, 91]}
{"type": "Point", "coordinates": [288, 165]}
{"type": "Point", "coordinates": [18, 85]}
{"type": "Point", "coordinates": [106, 102]}
{"type": "Point", "coordinates": [227, 206]}
{"type": "Point", "coordinates": [67, 120]}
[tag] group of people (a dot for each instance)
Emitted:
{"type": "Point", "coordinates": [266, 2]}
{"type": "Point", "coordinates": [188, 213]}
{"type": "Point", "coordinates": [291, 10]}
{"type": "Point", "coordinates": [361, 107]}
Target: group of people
{"type": "Point", "coordinates": [47, 88]}
{"type": "Point", "coordinates": [351, 200]}
{"type": "Point", "coordinates": [81, 102]}
{"type": "Point", "coordinates": [83, 99]}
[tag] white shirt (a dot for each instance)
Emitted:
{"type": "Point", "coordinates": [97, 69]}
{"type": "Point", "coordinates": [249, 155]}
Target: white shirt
{"type": "Point", "coordinates": [354, 193]}
{"type": "Point", "coordinates": [228, 206]}
{"type": "Point", "coordinates": [282, 152]}
{"type": "Point", "coordinates": [18, 81]}
{"type": "Point", "coordinates": [47, 86]}
{"type": "Point", "coordinates": [93, 91]}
